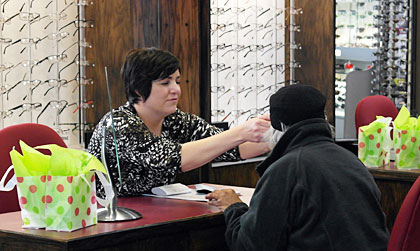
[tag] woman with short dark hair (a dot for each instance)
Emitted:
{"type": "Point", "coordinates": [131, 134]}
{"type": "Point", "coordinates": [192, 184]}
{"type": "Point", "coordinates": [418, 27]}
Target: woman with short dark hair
{"type": "Point", "coordinates": [155, 139]}
{"type": "Point", "coordinates": [142, 66]}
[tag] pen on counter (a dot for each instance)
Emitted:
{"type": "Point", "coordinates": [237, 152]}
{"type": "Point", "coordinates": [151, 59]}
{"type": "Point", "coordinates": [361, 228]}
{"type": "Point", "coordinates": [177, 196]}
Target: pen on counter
{"type": "Point", "coordinates": [205, 191]}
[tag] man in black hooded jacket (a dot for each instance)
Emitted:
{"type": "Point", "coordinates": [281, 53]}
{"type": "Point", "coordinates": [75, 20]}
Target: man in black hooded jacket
{"type": "Point", "coordinates": [312, 194]}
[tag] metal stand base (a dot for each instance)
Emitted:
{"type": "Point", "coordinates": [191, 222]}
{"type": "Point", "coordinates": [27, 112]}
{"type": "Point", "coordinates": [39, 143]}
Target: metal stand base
{"type": "Point", "coordinates": [117, 214]}
{"type": "Point", "coordinates": [113, 212]}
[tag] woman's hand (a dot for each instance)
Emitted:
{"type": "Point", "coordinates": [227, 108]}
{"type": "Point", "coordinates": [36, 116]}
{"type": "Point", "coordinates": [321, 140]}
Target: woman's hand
{"type": "Point", "coordinates": [223, 198]}
{"type": "Point", "coordinates": [246, 136]}
{"type": "Point", "coordinates": [254, 129]}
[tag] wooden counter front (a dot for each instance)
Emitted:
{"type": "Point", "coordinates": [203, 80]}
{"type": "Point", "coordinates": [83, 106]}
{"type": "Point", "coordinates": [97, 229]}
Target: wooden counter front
{"type": "Point", "coordinates": [167, 224]}
{"type": "Point", "coordinates": [394, 184]}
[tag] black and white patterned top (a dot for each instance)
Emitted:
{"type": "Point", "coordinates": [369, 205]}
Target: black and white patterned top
{"type": "Point", "coordinates": [147, 160]}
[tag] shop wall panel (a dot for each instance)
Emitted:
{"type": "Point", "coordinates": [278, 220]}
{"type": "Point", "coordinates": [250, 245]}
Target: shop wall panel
{"type": "Point", "coordinates": [121, 25]}
{"type": "Point", "coordinates": [146, 20]}
{"type": "Point", "coordinates": [111, 38]}
{"type": "Point", "coordinates": [317, 54]}
{"type": "Point", "coordinates": [180, 35]}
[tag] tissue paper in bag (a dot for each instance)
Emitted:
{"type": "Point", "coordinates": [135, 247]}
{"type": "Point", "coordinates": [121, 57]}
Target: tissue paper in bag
{"type": "Point", "coordinates": [406, 140]}
{"type": "Point", "coordinates": [407, 151]}
{"type": "Point", "coordinates": [374, 143]}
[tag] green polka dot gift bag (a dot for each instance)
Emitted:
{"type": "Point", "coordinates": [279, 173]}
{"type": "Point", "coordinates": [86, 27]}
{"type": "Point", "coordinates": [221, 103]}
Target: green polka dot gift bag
{"type": "Point", "coordinates": [406, 140]}
{"type": "Point", "coordinates": [374, 142]}
{"type": "Point", "coordinates": [57, 191]}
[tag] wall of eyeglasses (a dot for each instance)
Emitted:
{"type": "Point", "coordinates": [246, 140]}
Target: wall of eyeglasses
{"type": "Point", "coordinates": [392, 65]}
{"type": "Point", "coordinates": [42, 65]}
{"type": "Point", "coordinates": [379, 31]}
{"type": "Point", "coordinates": [248, 62]}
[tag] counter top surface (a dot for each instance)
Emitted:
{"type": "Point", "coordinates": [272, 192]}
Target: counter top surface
{"type": "Point", "coordinates": [155, 211]}
{"type": "Point", "coordinates": [392, 172]}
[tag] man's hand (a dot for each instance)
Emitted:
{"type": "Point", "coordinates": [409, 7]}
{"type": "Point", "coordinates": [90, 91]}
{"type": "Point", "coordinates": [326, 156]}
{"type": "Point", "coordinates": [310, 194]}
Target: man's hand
{"type": "Point", "coordinates": [223, 198]}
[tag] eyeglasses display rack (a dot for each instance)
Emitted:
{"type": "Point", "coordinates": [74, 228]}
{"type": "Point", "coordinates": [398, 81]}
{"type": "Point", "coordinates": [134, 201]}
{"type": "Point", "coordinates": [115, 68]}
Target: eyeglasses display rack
{"type": "Point", "coordinates": [375, 35]}
{"type": "Point", "coordinates": [248, 56]}
{"type": "Point", "coordinates": [42, 64]}
{"type": "Point", "coordinates": [392, 67]}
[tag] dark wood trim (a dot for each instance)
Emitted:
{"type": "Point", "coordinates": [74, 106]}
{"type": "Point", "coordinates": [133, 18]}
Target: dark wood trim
{"type": "Point", "coordinates": [331, 114]}
{"type": "Point", "coordinates": [415, 58]}
{"type": "Point", "coordinates": [205, 77]}
{"type": "Point", "coordinates": [317, 54]}
{"type": "Point", "coordinates": [394, 185]}
{"type": "Point", "coordinates": [180, 35]}
{"type": "Point", "coordinates": [241, 174]}
{"type": "Point", "coordinates": [122, 25]}
{"type": "Point", "coordinates": [400, 175]}
{"type": "Point", "coordinates": [111, 38]}
{"type": "Point", "coordinates": [145, 23]}
{"type": "Point", "coordinates": [186, 234]}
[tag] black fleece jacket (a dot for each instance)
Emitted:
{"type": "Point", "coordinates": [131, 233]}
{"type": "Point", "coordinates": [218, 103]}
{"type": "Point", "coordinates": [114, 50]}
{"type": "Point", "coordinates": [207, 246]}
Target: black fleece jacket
{"type": "Point", "coordinates": [312, 195]}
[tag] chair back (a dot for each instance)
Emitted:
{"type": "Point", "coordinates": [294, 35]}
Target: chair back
{"type": "Point", "coordinates": [33, 135]}
{"type": "Point", "coordinates": [371, 106]}
{"type": "Point", "coordinates": [405, 235]}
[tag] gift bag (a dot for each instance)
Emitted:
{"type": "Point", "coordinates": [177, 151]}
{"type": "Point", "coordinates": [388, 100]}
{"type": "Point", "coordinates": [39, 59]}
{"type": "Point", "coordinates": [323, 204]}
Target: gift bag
{"type": "Point", "coordinates": [406, 140]}
{"type": "Point", "coordinates": [374, 142]}
{"type": "Point", "coordinates": [58, 192]}
{"type": "Point", "coordinates": [70, 202]}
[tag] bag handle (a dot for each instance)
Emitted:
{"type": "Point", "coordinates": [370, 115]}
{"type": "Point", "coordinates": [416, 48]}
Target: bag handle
{"type": "Point", "coordinates": [109, 192]}
{"type": "Point", "coordinates": [9, 185]}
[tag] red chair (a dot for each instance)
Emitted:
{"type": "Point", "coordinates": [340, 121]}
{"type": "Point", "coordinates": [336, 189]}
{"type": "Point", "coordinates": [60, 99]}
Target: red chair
{"type": "Point", "coordinates": [371, 106]}
{"type": "Point", "coordinates": [31, 134]}
{"type": "Point", "coordinates": [405, 235]}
